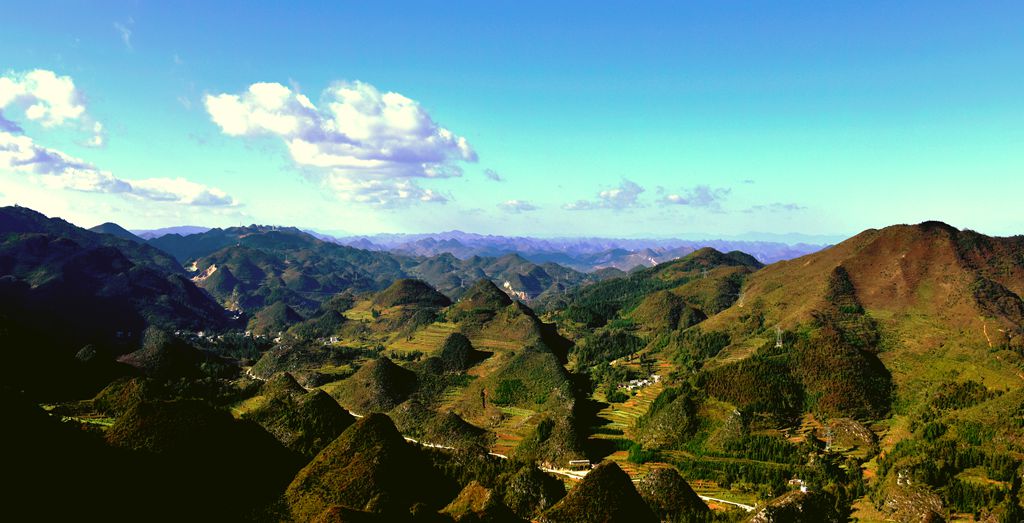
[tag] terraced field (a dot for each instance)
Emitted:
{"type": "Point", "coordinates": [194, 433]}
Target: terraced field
{"type": "Point", "coordinates": [513, 428]}
{"type": "Point", "coordinates": [736, 352]}
{"type": "Point", "coordinates": [495, 343]}
{"type": "Point", "coordinates": [360, 311]}
{"type": "Point", "coordinates": [425, 340]}
{"type": "Point", "coordinates": [622, 416]}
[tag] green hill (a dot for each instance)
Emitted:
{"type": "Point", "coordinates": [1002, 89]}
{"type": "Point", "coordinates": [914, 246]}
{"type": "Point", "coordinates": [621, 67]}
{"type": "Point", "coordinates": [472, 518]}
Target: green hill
{"type": "Point", "coordinates": [309, 362]}
{"type": "Point", "coordinates": [666, 311]}
{"type": "Point", "coordinates": [369, 468]}
{"type": "Point", "coordinates": [686, 278]}
{"type": "Point", "coordinates": [418, 421]}
{"type": "Point", "coordinates": [22, 221]}
{"type": "Point", "coordinates": [273, 319]}
{"type": "Point", "coordinates": [163, 355]}
{"type": "Point", "coordinates": [456, 355]}
{"type": "Point", "coordinates": [120, 395]}
{"type": "Point", "coordinates": [554, 442]}
{"type": "Point", "coordinates": [483, 295]}
{"type": "Point", "coordinates": [266, 265]}
{"type": "Point", "coordinates": [479, 504]}
{"type": "Point", "coordinates": [304, 422]}
{"type": "Point", "coordinates": [410, 292]}
{"type": "Point", "coordinates": [529, 492]}
{"type": "Point", "coordinates": [605, 494]}
{"type": "Point", "coordinates": [378, 386]}
{"type": "Point", "coordinates": [670, 496]}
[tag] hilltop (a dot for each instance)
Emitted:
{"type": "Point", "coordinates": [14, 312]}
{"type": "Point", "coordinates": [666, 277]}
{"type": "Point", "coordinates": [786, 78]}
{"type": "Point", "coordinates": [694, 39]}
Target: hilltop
{"type": "Point", "coordinates": [116, 230]}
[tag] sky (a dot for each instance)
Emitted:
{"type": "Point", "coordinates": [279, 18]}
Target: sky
{"type": "Point", "coordinates": [613, 119]}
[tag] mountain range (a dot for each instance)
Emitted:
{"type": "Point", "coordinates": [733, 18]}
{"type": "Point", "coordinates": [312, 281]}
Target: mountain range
{"type": "Point", "coordinates": [582, 254]}
{"type": "Point", "coordinates": [878, 379]}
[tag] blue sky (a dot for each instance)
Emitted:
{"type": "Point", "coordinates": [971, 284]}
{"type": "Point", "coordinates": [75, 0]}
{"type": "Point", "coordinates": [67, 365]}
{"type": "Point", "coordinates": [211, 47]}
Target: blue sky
{"type": "Point", "coordinates": [607, 119]}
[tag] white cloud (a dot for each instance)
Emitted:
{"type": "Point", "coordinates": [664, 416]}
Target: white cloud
{"type": "Point", "coordinates": [179, 190]}
{"type": "Point", "coordinates": [367, 145]}
{"type": "Point", "coordinates": [20, 154]}
{"type": "Point", "coordinates": [625, 196]}
{"type": "Point", "coordinates": [383, 193]}
{"type": "Point", "coordinates": [45, 97]}
{"type": "Point", "coordinates": [52, 101]}
{"type": "Point", "coordinates": [493, 175]}
{"type": "Point", "coordinates": [48, 99]}
{"type": "Point", "coordinates": [517, 206]}
{"type": "Point", "coordinates": [700, 196]}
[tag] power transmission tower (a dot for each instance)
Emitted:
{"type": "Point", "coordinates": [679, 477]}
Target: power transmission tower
{"type": "Point", "coordinates": [778, 337]}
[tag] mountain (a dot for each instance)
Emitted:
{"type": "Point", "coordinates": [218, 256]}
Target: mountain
{"type": "Point", "coordinates": [477, 503]}
{"type": "Point", "coordinates": [64, 287]}
{"type": "Point", "coordinates": [368, 468]}
{"type": "Point", "coordinates": [670, 496]}
{"type": "Point", "coordinates": [605, 494]}
{"type": "Point", "coordinates": [250, 268]}
{"type": "Point", "coordinates": [581, 254]}
{"type": "Point", "coordinates": [410, 292]}
{"type": "Point", "coordinates": [705, 280]}
{"type": "Point", "coordinates": [22, 220]}
{"type": "Point", "coordinates": [304, 422]}
{"type": "Point", "coordinates": [114, 229]}
{"type": "Point", "coordinates": [968, 285]}
{"type": "Point", "coordinates": [182, 230]}
{"type": "Point", "coordinates": [377, 386]}
{"type": "Point", "coordinates": [516, 275]}
{"type": "Point", "coordinates": [881, 378]}
{"type": "Point", "coordinates": [917, 328]}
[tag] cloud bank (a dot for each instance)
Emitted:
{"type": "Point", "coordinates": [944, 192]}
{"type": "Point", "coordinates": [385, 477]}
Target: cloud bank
{"type": "Point", "coordinates": [53, 101]}
{"type": "Point", "coordinates": [703, 196]}
{"type": "Point", "coordinates": [517, 206]}
{"type": "Point", "coordinates": [366, 145]}
{"type": "Point", "coordinates": [20, 154]}
{"type": "Point", "coordinates": [625, 196]}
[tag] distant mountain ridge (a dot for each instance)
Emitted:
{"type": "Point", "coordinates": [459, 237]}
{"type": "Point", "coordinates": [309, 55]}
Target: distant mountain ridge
{"type": "Point", "coordinates": [183, 230]}
{"type": "Point", "coordinates": [254, 267]}
{"type": "Point", "coordinates": [585, 254]}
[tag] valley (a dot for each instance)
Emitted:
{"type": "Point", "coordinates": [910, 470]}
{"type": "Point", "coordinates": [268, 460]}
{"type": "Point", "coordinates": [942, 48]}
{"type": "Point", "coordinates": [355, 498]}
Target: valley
{"type": "Point", "coordinates": [879, 379]}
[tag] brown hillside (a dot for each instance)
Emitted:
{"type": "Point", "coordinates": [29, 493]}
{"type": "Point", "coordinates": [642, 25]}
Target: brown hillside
{"type": "Point", "coordinates": [954, 278]}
